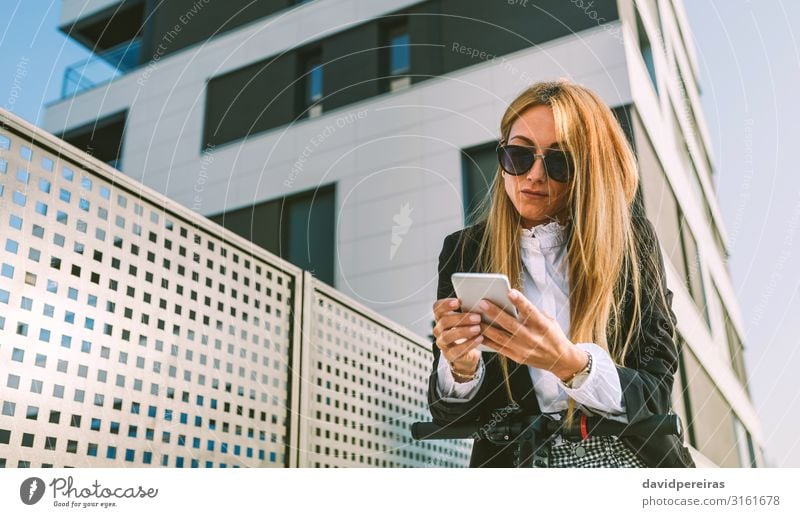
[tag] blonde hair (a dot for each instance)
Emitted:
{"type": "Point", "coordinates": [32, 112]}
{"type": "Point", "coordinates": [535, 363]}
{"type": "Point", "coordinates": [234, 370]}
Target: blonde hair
{"type": "Point", "coordinates": [602, 248]}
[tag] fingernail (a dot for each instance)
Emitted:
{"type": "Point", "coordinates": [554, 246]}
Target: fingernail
{"type": "Point", "coordinates": [453, 303]}
{"type": "Point", "coordinates": [475, 318]}
{"type": "Point", "coordinates": [484, 304]}
{"type": "Point", "coordinates": [479, 338]}
{"type": "Point", "coordinates": [475, 329]}
{"type": "Point", "coordinates": [512, 294]}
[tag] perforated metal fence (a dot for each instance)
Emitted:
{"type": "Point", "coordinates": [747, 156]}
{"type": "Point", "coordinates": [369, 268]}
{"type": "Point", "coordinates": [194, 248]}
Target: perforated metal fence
{"type": "Point", "coordinates": [135, 332]}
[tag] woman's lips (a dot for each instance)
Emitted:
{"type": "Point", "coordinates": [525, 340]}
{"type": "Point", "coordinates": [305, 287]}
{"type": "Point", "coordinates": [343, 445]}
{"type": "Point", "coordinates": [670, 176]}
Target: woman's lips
{"type": "Point", "coordinates": [533, 195]}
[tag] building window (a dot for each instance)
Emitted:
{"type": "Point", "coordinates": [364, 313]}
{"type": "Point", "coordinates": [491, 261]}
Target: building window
{"type": "Point", "coordinates": [646, 49]}
{"type": "Point", "coordinates": [9, 408]}
{"type": "Point", "coordinates": [311, 71]}
{"type": "Point", "coordinates": [36, 386]}
{"type": "Point", "coordinates": [735, 348]}
{"type": "Point", "coordinates": [397, 56]}
{"type": "Point", "coordinates": [694, 269]}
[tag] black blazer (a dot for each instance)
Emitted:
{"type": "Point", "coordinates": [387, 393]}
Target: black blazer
{"type": "Point", "coordinates": [646, 377]}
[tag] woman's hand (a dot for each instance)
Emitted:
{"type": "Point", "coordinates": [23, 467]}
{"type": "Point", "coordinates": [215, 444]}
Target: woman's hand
{"type": "Point", "coordinates": [457, 334]}
{"type": "Point", "coordinates": [536, 339]}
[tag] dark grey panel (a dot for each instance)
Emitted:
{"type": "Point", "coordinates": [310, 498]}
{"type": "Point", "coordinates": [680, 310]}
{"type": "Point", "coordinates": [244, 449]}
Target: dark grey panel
{"type": "Point", "coordinates": [198, 20]}
{"type": "Point", "coordinates": [350, 64]}
{"type": "Point", "coordinates": [478, 169]}
{"type": "Point", "coordinates": [250, 100]}
{"type": "Point", "coordinates": [623, 114]}
{"type": "Point", "coordinates": [309, 236]}
{"type": "Point", "coordinates": [102, 138]}
{"type": "Point", "coordinates": [299, 228]}
{"type": "Point", "coordinates": [624, 117]}
{"type": "Point", "coordinates": [259, 223]}
{"type": "Point", "coordinates": [109, 27]}
{"type": "Point", "coordinates": [498, 28]}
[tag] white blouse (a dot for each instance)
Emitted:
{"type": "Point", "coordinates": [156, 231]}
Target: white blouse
{"type": "Point", "coordinates": [546, 285]}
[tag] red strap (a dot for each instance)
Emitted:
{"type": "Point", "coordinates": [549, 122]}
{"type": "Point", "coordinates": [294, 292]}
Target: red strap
{"type": "Point", "coordinates": [584, 431]}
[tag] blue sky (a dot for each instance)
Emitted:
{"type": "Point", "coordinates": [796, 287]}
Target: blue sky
{"type": "Point", "coordinates": [34, 56]}
{"type": "Point", "coordinates": [749, 56]}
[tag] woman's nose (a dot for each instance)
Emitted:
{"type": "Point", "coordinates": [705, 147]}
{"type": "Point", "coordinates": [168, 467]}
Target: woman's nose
{"type": "Point", "coordinates": [537, 171]}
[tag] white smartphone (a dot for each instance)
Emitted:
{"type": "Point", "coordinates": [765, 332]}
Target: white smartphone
{"type": "Point", "coordinates": [471, 288]}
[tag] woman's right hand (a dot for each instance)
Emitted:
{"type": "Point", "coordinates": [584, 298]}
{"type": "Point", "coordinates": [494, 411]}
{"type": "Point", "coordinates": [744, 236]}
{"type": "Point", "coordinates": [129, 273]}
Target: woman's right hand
{"type": "Point", "coordinates": [457, 334]}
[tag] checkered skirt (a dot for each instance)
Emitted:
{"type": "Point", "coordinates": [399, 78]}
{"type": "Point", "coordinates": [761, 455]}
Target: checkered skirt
{"type": "Point", "coordinates": [594, 452]}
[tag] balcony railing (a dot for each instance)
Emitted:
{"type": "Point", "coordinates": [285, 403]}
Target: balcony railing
{"type": "Point", "coordinates": [100, 68]}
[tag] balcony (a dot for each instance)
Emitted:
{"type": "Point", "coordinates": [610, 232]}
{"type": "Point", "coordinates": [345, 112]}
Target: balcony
{"type": "Point", "coordinates": [100, 68]}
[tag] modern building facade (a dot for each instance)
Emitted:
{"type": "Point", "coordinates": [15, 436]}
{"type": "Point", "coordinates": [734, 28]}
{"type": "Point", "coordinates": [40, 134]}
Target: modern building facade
{"type": "Point", "coordinates": [135, 332]}
{"type": "Point", "coordinates": [350, 137]}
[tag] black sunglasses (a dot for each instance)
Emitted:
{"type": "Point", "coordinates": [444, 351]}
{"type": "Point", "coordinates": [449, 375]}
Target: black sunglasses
{"type": "Point", "coordinates": [518, 159]}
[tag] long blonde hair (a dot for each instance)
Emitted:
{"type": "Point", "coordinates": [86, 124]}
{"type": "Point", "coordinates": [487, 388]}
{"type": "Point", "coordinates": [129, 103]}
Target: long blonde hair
{"type": "Point", "coordinates": [602, 248]}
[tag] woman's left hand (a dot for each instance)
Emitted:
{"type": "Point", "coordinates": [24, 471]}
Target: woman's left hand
{"type": "Point", "coordinates": [535, 339]}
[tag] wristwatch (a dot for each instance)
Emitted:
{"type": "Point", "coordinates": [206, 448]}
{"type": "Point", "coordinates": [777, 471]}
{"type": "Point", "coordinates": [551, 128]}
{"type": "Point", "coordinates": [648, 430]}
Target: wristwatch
{"type": "Point", "coordinates": [579, 376]}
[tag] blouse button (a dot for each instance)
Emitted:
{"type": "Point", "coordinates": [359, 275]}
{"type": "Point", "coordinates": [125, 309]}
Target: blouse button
{"type": "Point", "coordinates": [580, 451]}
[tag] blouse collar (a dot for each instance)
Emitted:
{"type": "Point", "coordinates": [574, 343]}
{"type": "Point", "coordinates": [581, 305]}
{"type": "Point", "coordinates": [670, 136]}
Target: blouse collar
{"type": "Point", "coordinates": [545, 235]}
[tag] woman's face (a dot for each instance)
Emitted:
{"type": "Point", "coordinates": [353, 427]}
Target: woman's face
{"type": "Point", "coordinates": [536, 127]}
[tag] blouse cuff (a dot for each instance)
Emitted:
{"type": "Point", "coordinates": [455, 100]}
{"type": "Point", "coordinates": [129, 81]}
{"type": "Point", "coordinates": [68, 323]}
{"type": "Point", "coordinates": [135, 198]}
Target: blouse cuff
{"type": "Point", "coordinates": [452, 391]}
{"type": "Point", "coordinates": [601, 390]}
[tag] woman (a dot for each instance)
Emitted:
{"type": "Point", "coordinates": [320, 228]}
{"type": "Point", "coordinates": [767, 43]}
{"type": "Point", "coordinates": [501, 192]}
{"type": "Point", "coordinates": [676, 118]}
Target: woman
{"type": "Point", "coordinates": [596, 333]}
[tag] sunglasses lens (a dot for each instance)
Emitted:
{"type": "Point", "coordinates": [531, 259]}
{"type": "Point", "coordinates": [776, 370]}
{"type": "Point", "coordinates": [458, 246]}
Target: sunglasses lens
{"type": "Point", "coordinates": [558, 166]}
{"type": "Point", "coordinates": [515, 160]}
